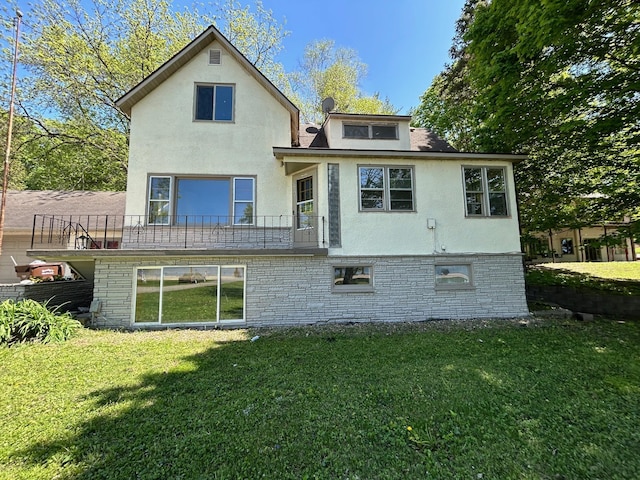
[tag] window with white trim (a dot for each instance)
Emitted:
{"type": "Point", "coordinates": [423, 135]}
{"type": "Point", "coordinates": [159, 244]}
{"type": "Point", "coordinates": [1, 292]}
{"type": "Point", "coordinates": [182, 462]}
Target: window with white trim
{"type": "Point", "coordinates": [485, 190]}
{"type": "Point", "coordinates": [214, 102]}
{"type": "Point", "coordinates": [175, 200]}
{"type": "Point", "coordinates": [370, 131]}
{"type": "Point", "coordinates": [190, 294]}
{"type": "Point", "coordinates": [386, 188]}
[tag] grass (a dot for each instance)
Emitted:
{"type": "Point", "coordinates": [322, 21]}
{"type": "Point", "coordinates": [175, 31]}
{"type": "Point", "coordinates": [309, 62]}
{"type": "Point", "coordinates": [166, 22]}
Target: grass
{"type": "Point", "coordinates": [620, 278]}
{"type": "Point", "coordinates": [429, 400]}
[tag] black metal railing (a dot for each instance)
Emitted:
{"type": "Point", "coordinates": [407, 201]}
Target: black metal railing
{"type": "Point", "coordinates": [176, 232]}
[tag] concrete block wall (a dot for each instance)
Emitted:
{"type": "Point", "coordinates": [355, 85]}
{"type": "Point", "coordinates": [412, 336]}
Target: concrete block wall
{"type": "Point", "coordinates": [296, 290]}
{"type": "Point", "coordinates": [67, 295]}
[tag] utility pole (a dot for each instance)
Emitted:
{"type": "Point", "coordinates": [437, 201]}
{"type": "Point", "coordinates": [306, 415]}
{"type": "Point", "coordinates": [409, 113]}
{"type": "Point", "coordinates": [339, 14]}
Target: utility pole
{"type": "Point", "coordinates": [7, 155]}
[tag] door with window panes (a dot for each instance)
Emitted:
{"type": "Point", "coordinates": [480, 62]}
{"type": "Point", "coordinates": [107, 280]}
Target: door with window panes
{"type": "Point", "coordinates": [305, 220]}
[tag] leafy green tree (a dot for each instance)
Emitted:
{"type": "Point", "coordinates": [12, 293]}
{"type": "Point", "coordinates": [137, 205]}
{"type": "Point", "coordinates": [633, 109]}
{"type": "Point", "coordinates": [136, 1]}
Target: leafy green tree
{"type": "Point", "coordinates": [560, 81]}
{"type": "Point", "coordinates": [447, 113]}
{"type": "Point", "coordinates": [80, 56]}
{"type": "Point", "coordinates": [328, 71]}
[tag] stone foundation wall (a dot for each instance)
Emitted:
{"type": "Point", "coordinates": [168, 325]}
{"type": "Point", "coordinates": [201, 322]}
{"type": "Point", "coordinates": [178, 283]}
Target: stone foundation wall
{"type": "Point", "coordinates": [296, 290]}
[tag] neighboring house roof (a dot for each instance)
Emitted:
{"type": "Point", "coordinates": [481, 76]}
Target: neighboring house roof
{"type": "Point", "coordinates": [137, 93]}
{"type": "Point", "coordinates": [422, 140]}
{"type": "Point", "coordinates": [22, 205]}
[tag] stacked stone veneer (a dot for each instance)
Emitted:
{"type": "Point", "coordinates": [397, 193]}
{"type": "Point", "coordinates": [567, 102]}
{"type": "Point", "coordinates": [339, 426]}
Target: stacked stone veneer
{"type": "Point", "coordinates": [295, 290]}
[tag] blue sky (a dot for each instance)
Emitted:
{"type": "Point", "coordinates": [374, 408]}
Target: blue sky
{"type": "Point", "coordinates": [405, 43]}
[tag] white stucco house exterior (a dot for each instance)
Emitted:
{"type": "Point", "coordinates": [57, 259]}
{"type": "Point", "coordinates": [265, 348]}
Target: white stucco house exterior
{"type": "Point", "coordinates": [237, 215]}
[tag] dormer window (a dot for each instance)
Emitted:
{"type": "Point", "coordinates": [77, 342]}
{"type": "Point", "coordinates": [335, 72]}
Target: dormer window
{"type": "Point", "coordinates": [370, 131]}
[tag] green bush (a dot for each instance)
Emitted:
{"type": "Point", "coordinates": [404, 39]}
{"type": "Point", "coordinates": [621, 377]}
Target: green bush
{"type": "Point", "coordinates": [28, 320]}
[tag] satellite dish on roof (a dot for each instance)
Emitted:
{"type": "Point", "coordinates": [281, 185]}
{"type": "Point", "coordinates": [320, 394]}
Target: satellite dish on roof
{"type": "Point", "coordinates": [327, 105]}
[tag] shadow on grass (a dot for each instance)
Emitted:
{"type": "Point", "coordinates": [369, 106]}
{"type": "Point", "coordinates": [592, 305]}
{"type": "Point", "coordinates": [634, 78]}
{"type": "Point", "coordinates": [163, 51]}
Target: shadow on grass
{"type": "Point", "coordinates": [492, 402]}
{"type": "Point", "coordinates": [240, 410]}
{"type": "Point", "coordinates": [543, 276]}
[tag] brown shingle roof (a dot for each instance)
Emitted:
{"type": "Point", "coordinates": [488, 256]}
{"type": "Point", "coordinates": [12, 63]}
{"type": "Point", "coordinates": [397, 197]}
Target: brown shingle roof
{"type": "Point", "coordinates": [424, 140]}
{"type": "Point", "coordinates": [22, 205]}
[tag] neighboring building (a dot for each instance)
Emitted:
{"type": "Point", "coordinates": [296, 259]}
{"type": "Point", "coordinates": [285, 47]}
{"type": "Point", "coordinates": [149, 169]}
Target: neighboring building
{"type": "Point", "coordinates": [595, 243]}
{"type": "Point", "coordinates": [236, 215]}
{"type": "Point", "coordinates": [20, 223]}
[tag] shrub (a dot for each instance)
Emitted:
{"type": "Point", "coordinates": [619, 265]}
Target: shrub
{"type": "Point", "coordinates": [28, 320]}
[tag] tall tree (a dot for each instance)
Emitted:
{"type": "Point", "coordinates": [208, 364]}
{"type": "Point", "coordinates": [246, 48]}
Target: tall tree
{"type": "Point", "coordinates": [336, 72]}
{"type": "Point", "coordinates": [80, 56]}
{"type": "Point", "coordinates": [559, 80]}
{"type": "Point", "coordinates": [447, 106]}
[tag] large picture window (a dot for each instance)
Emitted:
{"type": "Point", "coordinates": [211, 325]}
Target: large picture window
{"type": "Point", "coordinates": [386, 188]}
{"type": "Point", "coordinates": [217, 200]}
{"type": "Point", "coordinates": [189, 294]}
{"type": "Point", "coordinates": [214, 102]}
{"type": "Point", "coordinates": [485, 191]}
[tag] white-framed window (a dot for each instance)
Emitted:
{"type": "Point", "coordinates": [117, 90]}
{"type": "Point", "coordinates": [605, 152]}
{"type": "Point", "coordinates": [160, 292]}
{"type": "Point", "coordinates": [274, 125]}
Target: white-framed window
{"type": "Point", "coordinates": [189, 294]}
{"type": "Point", "coordinates": [352, 278]}
{"type": "Point", "coordinates": [370, 131]}
{"type": "Point", "coordinates": [386, 188]}
{"type": "Point", "coordinates": [485, 190]}
{"type": "Point", "coordinates": [160, 190]}
{"type": "Point", "coordinates": [214, 102]}
{"type": "Point", "coordinates": [177, 200]}
{"type": "Point", "coordinates": [453, 275]}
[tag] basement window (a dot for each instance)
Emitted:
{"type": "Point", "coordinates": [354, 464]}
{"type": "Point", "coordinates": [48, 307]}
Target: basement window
{"type": "Point", "coordinates": [454, 276]}
{"type": "Point", "coordinates": [354, 278]}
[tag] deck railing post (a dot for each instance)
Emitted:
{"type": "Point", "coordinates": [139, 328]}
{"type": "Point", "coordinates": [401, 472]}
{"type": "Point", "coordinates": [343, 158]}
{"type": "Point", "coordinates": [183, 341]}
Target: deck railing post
{"type": "Point", "coordinates": [186, 229]}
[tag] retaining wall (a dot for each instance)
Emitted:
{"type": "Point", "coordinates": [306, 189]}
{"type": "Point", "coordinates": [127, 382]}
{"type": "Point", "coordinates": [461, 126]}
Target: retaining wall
{"type": "Point", "coordinates": [69, 295]}
{"type": "Point", "coordinates": [587, 301]}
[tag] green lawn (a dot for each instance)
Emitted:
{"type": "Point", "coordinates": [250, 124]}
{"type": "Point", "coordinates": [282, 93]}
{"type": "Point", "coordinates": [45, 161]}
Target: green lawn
{"type": "Point", "coordinates": [620, 278]}
{"type": "Point", "coordinates": [607, 270]}
{"type": "Point", "coordinates": [491, 400]}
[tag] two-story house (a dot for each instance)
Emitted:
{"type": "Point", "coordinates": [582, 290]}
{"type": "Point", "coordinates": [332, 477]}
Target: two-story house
{"type": "Point", "coordinates": [237, 215]}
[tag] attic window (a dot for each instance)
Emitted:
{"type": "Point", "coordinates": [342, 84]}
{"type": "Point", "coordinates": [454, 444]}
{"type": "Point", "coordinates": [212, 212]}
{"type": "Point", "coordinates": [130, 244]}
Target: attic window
{"type": "Point", "coordinates": [215, 57]}
{"type": "Point", "coordinates": [370, 131]}
{"type": "Point", "coordinates": [214, 102]}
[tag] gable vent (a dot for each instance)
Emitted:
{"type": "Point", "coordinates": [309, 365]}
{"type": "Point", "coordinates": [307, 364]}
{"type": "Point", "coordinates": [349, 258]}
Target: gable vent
{"type": "Point", "coordinates": [214, 57]}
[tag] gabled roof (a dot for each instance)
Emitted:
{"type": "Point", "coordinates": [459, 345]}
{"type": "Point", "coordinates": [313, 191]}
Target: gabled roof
{"type": "Point", "coordinates": [137, 93]}
{"type": "Point", "coordinates": [22, 205]}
